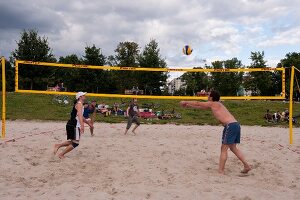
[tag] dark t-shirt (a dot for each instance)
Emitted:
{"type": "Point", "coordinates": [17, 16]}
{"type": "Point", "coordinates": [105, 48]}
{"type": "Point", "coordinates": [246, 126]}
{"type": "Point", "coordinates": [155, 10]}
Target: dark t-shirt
{"type": "Point", "coordinates": [133, 110]}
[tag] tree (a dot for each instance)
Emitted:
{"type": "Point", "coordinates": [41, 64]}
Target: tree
{"type": "Point", "coordinates": [260, 83]}
{"type": "Point", "coordinates": [151, 82]}
{"type": "Point", "coordinates": [95, 80]}
{"type": "Point", "coordinates": [195, 81]}
{"type": "Point", "coordinates": [71, 77]}
{"type": "Point", "coordinates": [227, 83]}
{"type": "Point", "coordinates": [291, 59]}
{"type": "Point", "coordinates": [33, 47]}
{"type": "Point", "coordinates": [126, 56]}
{"type": "Point", "coordinates": [10, 76]}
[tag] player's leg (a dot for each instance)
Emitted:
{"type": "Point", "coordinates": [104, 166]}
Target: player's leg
{"type": "Point", "coordinates": [74, 143]}
{"type": "Point", "coordinates": [58, 146]}
{"type": "Point", "coordinates": [137, 124]}
{"type": "Point", "coordinates": [129, 123]}
{"type": "Point", "coordinates": [91, 125]}
{"type": "Point", "coordinates": [241, 157]}
{"type": "Point", "coordinates": [223, 158]}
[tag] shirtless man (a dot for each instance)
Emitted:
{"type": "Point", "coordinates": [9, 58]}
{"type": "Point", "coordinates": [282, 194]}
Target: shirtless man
{"type": "Point", "coordinates": [232, 130]}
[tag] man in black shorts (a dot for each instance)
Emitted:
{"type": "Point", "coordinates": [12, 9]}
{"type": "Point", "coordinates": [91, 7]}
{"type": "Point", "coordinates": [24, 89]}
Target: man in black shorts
{"type": "Point", "coordinates": [133, 116]}
{"type": "Point", "coordinates": [74, 127]}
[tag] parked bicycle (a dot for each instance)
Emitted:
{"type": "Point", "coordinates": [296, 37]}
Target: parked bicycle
{"type": "Point", "coordinates": [60, 100]}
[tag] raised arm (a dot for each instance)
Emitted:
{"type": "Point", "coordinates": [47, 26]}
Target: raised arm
{"type": "Point", "coordinates": [196, 104]}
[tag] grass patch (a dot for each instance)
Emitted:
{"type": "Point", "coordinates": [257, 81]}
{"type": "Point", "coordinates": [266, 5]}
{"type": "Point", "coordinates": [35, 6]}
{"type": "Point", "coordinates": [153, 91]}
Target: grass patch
{"type": "Point", "coordinates": [40, 107]}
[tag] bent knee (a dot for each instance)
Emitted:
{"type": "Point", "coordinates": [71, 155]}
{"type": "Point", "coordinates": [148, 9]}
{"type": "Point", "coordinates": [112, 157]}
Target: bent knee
{"type": "Point", "coordinates": [75, 144]}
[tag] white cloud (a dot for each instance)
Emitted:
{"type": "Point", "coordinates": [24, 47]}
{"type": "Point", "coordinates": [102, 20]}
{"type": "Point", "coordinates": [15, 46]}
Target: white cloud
{"type": "Point", "coordinates": [288, 37]}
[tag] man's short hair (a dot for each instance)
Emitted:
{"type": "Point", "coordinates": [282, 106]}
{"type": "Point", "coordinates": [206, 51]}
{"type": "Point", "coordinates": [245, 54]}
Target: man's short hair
{"type": "Point", "coordinates": [215, 95]}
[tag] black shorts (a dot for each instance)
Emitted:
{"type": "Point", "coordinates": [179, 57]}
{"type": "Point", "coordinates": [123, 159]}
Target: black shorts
{"type": "Point", "coordinates": [73, 132]}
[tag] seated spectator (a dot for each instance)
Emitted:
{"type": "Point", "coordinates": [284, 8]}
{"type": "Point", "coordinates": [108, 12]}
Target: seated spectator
{"type": "Point", "coordinates": [203, 93]}
{"type": "Point", "coordinates": [57, 88]}
{"type": "Point", "coordinates": [268, 116]}
{"type": "Point", "coordinates": [277, 116]}
{"type": "Point", "coordinates": [116, 108]}
{"type": "Point", "coordinates": [103, 109]}
{"type": "Point", "coordinates": [62, 88]}
{"type": "Point", "coordinates": [285, 115]}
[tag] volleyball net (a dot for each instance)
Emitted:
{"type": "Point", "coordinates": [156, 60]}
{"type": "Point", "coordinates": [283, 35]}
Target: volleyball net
{"type": "Point", "coordinates": [47, 86]}
{"type": "Point", "coordinates": [174, 88]}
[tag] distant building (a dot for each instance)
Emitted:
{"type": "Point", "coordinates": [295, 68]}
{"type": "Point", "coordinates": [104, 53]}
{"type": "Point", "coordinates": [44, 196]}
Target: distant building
{"type": "Point", "coordinates": [175, 85]}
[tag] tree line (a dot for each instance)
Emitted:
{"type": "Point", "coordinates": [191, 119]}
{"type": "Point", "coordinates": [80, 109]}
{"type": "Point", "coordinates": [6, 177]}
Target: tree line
{"type": "Point", "coordinates": [31, 46]}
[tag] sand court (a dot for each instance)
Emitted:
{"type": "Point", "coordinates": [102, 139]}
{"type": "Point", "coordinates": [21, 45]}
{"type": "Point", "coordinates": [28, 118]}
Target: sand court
{"type": "Point", "coordinates": [161, 162]}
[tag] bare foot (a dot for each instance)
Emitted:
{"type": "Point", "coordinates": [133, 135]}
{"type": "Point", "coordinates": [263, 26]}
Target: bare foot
{"type": "Point", "coordinates": [246, 170]}
{"type": "Point", "coordinates": [61, 156]}
{"type": "Point", "coordinates": [134, 132]}
{"type": "Point", "coordinates": [56, 147]}
{"type": "Point", "coordinates": [221, 172]}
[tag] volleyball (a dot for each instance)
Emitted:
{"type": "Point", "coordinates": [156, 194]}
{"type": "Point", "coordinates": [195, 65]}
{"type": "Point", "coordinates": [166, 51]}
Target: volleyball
{"type": "Point", "coordinates": [187, 50]}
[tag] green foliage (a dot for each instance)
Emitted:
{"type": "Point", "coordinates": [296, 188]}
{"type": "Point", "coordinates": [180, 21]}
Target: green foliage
{"type": "Point", "coordinates": [151, 82]}
{"type": "Point", "coordinates": [70, 77]}
{"type": "Point", "coordinates": [94, 80]}
{"type": "Point", "coordinates": [126, 56]}
{"type": "Point", "coordinates": [33, 47]}
{"type": "Point", "coordinates": [10, 76]}
{"type": "Point", "coordinates": [227, 83]}
{"type": "Point", "coordinates": [291, 59]}
{"type": "Point", "coordinates": [260, 83]}
{"type": "Point", "coordinates": [195, 82]}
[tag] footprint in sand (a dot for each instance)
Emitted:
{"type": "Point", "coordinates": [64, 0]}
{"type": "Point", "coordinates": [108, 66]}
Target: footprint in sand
{"type": "Point", "coordinates": [35, 164]}
{"type": "Point", "coordinates": [243, 175]}
{"type": "Point", "coordinates": [256, 165]}
{"type": "Point", "coordinates": [148, 196]}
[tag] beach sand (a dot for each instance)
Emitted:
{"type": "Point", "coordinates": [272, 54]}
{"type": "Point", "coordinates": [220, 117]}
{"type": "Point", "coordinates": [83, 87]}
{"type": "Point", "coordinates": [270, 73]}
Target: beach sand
{"type": "Point", "coordinates": [160, 162]}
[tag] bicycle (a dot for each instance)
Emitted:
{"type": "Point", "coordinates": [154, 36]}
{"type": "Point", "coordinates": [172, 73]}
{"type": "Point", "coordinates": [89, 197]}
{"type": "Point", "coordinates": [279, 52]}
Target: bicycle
{"type": "Point", "coordinates": [60, 100]}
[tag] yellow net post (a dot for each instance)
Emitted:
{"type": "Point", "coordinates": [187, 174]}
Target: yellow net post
{"type": "Point", "coordinates": [3, 97]}
{"type": "Point", "coordinates": [291, 104]}
{"type": "Point", "coordinates": [16, 76]}
{"type": "Point", "coordinates": [283, 83]}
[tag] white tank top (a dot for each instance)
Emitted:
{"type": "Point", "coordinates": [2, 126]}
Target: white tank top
{"type": "Point", "coordinates": [77, 118]}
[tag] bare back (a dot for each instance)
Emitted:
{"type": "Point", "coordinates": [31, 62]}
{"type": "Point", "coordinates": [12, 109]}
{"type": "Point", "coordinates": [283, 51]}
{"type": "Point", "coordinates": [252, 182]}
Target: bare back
{"type": "Point", "coordinates": [221, 113]}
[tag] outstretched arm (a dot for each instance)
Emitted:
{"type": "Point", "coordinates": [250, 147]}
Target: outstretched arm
{"type": "Point", "coordinates": [196, 104]}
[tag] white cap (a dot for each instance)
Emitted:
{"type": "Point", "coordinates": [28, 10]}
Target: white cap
{"type": "Point", "coordinates": [79, 94]}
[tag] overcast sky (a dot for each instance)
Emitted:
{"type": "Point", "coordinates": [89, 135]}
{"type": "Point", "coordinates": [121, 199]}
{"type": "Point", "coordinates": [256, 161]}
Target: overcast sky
{"type": "Point", "coordinates": [216, 29]}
